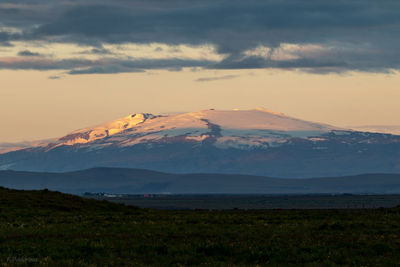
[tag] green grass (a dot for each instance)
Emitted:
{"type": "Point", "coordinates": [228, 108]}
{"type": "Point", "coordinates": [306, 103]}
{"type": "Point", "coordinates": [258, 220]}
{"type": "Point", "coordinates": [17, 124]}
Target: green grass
{"type": "Point", "coordinates": [50, 228]}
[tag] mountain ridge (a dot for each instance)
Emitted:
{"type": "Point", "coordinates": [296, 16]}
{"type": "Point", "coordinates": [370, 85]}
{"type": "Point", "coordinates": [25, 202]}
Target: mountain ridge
{"type": "Point", "coordinates": [196, 126]}
{"type": "Point", "coordinates": [254, 142]}
{"type": "Point", "coordinates": [139, 181]}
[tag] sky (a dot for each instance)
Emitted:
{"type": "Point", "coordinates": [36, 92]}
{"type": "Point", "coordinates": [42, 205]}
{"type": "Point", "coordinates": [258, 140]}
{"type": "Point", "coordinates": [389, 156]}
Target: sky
{"type": "Point", "coordinates": [69, 64]}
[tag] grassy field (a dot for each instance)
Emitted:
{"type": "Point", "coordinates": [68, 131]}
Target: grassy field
{"type": "Point", "coordinates": [50, 228]}
{"type": "Point", "coordinates": [246, 202]}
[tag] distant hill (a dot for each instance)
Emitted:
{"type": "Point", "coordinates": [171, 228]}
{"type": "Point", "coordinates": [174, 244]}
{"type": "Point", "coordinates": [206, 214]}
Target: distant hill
{"type": "Point", "coordinates": [252, 142]}
{"type": "Point", "coordinates": [36, 202]}
{"type": "Point", "coordinates": [136, 181]}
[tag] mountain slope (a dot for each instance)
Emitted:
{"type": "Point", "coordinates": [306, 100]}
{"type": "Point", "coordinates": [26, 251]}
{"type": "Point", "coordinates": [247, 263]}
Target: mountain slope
{"type": "Point", "coordinates": [257, 142]}
{"type": "Point", "coordinates": [388, 129]}
{"type": "Point", "coordinates": [247, 127]}
{"type": "Point", "coordinates": [9, 147]}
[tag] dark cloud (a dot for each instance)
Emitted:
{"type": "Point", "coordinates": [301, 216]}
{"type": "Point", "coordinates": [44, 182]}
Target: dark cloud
{"type": "Point", "coordinates": [215, 21]}
{"type": "Point", "coordinates": [232, 26]}
{"type": "Point", "coordinates": [97, 51]}
{"type": "Point", "coordinates": [27, 53]}
{"type": "Point", "coordinates": [5, 37]}
{"type": "Point", "coordinates": [103, 66]}
{"type": "Point", "coordinates": [121, 66]}
{"type": "Point", "coordinates": [45, 64]}
{"type": "Point", "coordinates": [107, 69]}
{"type": "Point", "coordinates": [261, 63]}
{"type": "Point", "coordinates": [209, 79]}
{"type": "Point", "coordinates": [100, 51]}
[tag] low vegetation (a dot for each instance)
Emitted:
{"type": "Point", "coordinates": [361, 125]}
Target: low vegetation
{"type": "Point", "coordinates": [50, 228]}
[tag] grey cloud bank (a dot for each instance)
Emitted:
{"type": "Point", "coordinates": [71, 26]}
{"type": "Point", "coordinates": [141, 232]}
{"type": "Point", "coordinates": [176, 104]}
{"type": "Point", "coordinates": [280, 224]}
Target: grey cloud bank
{"type": "Point", "coordinates": [359, 35]}
{"type": "Point", "coordinates": [210, 79]}
{"type": "Point", "coordinates": [27, 53]}
{"type": "Point", "coordinates": [106, 66]}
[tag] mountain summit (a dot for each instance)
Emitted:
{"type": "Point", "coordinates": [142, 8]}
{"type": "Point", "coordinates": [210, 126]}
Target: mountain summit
{"type": "Point", "coordinates": [257, 141]}
{"type": "Point", "coordinates": [237, 128]}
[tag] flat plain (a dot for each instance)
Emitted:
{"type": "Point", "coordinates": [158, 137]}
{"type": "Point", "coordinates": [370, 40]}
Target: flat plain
{"type": "Point", "coordinates": [253, 202]}
{"type": "Point", "coordinates": [54, 229]}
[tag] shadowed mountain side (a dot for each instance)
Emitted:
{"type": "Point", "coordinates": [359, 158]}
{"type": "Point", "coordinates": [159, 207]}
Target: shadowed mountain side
{"type": "Point", "coordinates": [249, 142]}
{"type": "Point", "coordinates": [134, 181]}
{"type": "Point", "coordinates": [338, 156]}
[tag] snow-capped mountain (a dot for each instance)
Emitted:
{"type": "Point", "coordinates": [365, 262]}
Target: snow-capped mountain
{"type": "Point", "coordinates": [257, 141]}
{"type": "Point", "coordinates": [8, 147]}
{"type": "Point", "coordinates": [243, 129]}
{"type": "Point", "coordinates": [388, 129]}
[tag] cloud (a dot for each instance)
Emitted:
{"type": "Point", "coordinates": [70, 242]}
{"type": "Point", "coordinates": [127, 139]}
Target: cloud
{"type": "Point", "coordinates": [100, 51]}
{"type": "Point", "coordinates": [209, 79]}
{"type": "Point", "coordinates": [354, 34]}
{"type": "Point", "coordinates": [124, 66]}
{"type": "Point", "coordinates": [100, 66]}
{"type": "Point", "coordinates": [27, 63]}
{"type": "Point", "coordinates": [97, 51]}
{"type": "Point", "coordinates": [107, 69]}
{"type": "Point", "coordinates": [5, 37]}
{"type": "Point", "coordinates": [27, 53]}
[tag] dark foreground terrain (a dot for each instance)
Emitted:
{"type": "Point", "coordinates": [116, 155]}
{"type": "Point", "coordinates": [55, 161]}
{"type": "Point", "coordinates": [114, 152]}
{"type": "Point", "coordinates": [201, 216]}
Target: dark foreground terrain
{"type": "Point", "coordinates": [50, 228]}
{"type": "Point", "coordinates": [252, 202]}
